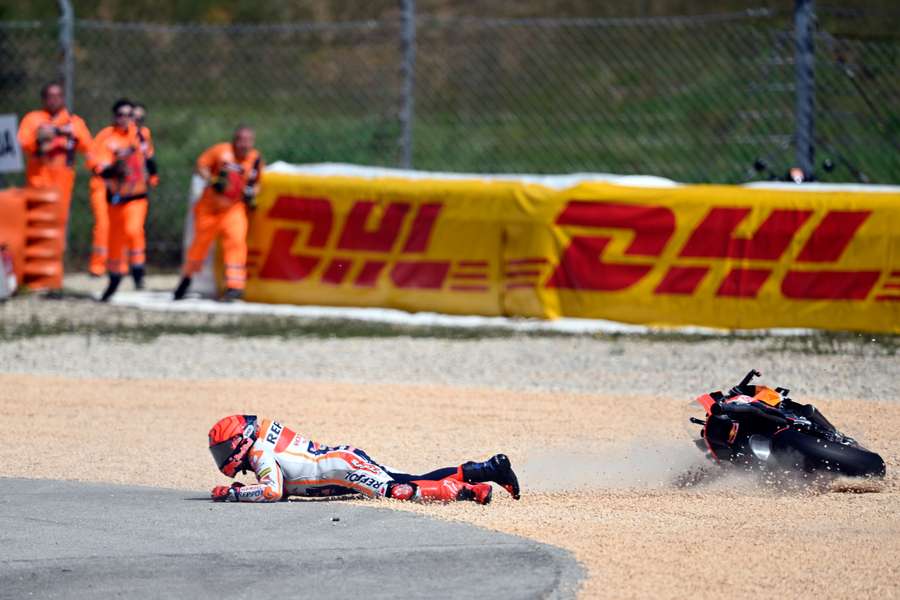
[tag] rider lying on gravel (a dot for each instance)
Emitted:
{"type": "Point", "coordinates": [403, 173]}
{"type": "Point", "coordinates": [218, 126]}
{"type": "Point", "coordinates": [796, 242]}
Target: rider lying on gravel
{"type": "Point", "coordinates": [287, 464]}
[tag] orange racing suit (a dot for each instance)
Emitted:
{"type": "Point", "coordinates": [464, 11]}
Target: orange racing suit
{"type": "Point", "coordinates": [224, 211]}
{"type": "Point", "coordinates": [118, 158]}
{"type": "Point", "coordinates": [50, 163]}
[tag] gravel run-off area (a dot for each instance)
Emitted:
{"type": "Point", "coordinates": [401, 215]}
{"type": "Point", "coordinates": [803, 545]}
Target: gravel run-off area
{"type": "Point", "coordinates": [596, 426]}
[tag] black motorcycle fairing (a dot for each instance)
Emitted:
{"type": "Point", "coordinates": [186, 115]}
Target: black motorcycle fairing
{"type": "Point", "coordinates": [719, 432]}
{"type": "Point", "coordinates": [719, 429]}
{"type": "Point", "coordinates": [759, 416]}
{"type": "Point", "coordinates": [809, 412]}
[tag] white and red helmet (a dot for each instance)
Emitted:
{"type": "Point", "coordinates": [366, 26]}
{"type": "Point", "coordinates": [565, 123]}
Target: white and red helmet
{"type": "Point", "coordinates": [230, 440]}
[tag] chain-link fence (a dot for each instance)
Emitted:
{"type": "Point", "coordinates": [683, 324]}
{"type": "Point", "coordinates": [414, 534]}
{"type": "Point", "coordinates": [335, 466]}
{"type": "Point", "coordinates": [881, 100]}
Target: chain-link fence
{"type": "Point", "coordinates": [697, 99]}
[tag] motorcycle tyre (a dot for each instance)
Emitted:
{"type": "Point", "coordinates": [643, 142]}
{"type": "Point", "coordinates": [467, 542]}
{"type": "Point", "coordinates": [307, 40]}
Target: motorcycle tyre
{"type": "Point", "coordinates": [793, 449]}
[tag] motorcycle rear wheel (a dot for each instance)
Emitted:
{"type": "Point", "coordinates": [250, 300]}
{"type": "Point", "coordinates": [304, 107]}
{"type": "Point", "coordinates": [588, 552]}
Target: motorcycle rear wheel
{"type": "Point", "coordinates": [793, 449]}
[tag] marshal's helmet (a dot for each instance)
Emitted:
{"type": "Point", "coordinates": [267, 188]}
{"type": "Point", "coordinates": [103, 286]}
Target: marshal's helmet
{"type": "Point", "coordinates": [230, 440]}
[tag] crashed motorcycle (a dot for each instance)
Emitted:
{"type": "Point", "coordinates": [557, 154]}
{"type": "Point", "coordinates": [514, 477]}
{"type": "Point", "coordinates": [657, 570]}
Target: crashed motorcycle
{"type": "Point", "coordinates": [761, 428]}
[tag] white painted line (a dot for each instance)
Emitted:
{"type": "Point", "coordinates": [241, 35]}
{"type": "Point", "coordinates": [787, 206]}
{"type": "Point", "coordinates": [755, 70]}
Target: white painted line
{"type": "Point", "coordinates": [162, 302]}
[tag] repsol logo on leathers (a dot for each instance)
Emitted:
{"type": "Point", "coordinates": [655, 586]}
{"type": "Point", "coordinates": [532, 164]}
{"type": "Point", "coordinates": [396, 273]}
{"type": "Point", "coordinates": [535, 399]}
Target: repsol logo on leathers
{"type": "Point", "coordinates": [274, 432]}
{"type": "Point", "coordinates": [364, 480]}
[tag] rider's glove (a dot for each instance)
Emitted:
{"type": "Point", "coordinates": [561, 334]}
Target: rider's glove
{"type": "Point", "coordinates": [226, 493]}
{"type": "Point", "coordinates": [220, 493]}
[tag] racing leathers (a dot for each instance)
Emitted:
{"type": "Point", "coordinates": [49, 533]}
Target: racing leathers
{"type": "Point", "coordinates": [288, 464]}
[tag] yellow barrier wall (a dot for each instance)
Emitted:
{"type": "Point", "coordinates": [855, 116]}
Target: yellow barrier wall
{"type": "Point", "coordinates": [719, 256]}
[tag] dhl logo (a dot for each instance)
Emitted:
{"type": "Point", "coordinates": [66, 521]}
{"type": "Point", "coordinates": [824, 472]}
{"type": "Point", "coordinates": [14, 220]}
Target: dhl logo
{"type": "Point", "coordinates": [583, 265]}
{"type": "Point", "coordinates": [400, 232]}
{"type": "Point", "coordinates": [399, 237]}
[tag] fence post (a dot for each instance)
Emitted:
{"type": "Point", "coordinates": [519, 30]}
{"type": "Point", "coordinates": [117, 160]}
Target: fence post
{"type": "Point", "coordinates": [408, 71]}
{"type": "Point", "coordinates": [66, 41]}
{"type": "Point", "coordinates": [805, 74]}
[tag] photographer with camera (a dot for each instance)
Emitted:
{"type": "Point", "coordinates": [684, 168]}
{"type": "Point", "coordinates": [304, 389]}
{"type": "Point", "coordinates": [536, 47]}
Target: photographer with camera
{"type": "Point", "coordinates": [122, 117]}
{"type": "Point", "coordinates": [119, 161]}
{"type": "Point", "coordinates": [50, 138]}
{"type": "Point", "coordinates": [232, 171]}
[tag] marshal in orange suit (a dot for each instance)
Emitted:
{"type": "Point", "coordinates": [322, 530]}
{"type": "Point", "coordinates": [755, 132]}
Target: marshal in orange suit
{"type": "Point", "coordinates": [232, 171]}
{"type": "Point", "coordinates": [50, 138]}
{"type": "Point", "coordinates": [98, 186]}
{"type": "Point", "coordinates": [118, 157]}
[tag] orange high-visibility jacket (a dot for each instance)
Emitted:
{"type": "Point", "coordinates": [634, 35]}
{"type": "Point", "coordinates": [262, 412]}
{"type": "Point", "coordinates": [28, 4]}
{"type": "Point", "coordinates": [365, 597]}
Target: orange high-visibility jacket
{"type": "Point", "coordinates": [145, 139]}
{"type": "Point", "coordinates": [221, 162]}
{"type": "Point", "coordinates": [122, 149]}
{"type": "Point", "coordinates": [71, 136]}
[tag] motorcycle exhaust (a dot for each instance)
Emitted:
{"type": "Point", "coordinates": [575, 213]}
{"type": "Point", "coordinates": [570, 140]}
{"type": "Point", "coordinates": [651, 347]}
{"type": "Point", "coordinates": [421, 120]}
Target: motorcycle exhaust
{"type": "Point", "coordinates": [761, 447]}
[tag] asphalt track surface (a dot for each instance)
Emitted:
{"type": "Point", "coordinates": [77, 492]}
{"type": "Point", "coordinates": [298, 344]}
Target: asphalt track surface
{"type": "Point", "coordinates": [74, 540]}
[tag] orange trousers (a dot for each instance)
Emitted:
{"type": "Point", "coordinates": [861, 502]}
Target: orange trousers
{"type": "Point", "coordinates": [126, 230]}
{"type": "Point", "coordinates": [231, 223]}
{"type": "Point", "coordinates": [100, 231]}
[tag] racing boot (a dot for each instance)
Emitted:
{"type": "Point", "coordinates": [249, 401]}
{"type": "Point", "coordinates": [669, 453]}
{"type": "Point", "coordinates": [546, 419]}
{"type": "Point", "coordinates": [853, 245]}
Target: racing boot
{"type": "Point", "coordinates": [114, 280]}
{"type": "Point", "coordinates": [496, 469]}
{"type": "Point", "coordinates": [451, 490]}
{"type": "Point", "coordinates": [182, 288]}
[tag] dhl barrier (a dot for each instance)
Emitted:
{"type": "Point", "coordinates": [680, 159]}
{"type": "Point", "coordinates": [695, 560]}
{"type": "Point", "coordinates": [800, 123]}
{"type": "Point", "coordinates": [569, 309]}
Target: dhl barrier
{"type": "Point", "coordinates": [720, 256]}
{"type": "Point", "coordinates": [31, 226]}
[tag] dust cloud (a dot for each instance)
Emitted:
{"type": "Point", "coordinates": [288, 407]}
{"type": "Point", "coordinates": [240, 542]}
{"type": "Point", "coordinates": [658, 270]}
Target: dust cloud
{"type": "Point", "coordinates": [642, 465]}
{"type": "Point", "coordinates": [628, 466]}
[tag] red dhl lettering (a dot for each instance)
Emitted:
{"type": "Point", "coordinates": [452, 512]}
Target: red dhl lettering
{"type": "Point", "coordinates": [714, 236]}
{"type": "Point", "coordinates": [400, 229]}
{"type": "Point", "coordinates": [580, 267]}
{"type": "Point", "coordinates": [583, 265]}
{"type": "Point", "coordinates": [367, 228]}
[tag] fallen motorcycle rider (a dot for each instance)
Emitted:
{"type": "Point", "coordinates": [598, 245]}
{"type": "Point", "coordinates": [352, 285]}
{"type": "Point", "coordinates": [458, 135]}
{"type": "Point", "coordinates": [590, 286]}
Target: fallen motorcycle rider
{"type": "Point", "coordinates": [287, 464]}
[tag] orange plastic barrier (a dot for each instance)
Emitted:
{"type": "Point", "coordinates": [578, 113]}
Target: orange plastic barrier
{"type": "Point", "coordinates": [31, 227]}
{"type": "Point", "coordinates": [12, 227]}
{"type": "Point", "coordinates": [45, 240]}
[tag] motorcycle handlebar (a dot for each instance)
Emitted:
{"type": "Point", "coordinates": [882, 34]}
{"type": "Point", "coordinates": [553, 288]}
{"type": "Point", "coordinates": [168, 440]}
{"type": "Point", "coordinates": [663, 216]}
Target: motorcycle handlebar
{"type": "Point", "coordinates": [749, 377]}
